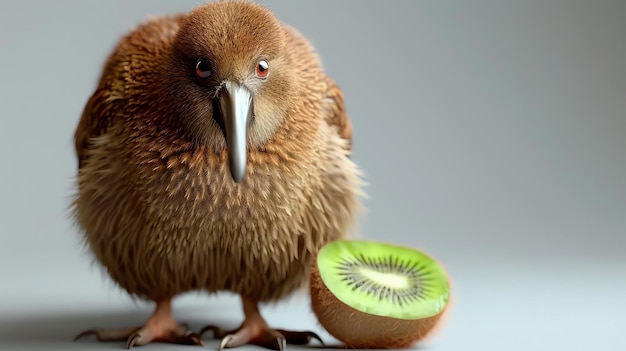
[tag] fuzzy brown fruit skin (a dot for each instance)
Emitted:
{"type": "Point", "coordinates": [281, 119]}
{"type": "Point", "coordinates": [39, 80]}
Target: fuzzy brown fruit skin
{"type": "Point", "coordinates": [360, 330]}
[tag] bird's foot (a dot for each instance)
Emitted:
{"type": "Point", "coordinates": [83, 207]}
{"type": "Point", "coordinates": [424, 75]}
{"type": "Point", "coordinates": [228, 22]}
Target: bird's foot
{"type": "Point", "coordinates": [255, 331]}
{"type": "Point", "coordinates": [161, 327]}
{"type": "Point", "coordinates": [137, 336]}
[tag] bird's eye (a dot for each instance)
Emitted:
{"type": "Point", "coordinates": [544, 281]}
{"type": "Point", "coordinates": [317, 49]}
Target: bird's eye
{"type": "Point", "coordinates": [262, 69]}
{"type": "Point", "coordinates": [203, 69]}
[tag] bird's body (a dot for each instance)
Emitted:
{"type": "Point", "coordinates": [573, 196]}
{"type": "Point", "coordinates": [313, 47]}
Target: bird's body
{"type": "Point", "coordinates": [157, 198]}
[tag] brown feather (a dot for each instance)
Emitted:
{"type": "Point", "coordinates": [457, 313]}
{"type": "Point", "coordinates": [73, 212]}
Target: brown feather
{"type": "Point", "coordinates": [334, 109]}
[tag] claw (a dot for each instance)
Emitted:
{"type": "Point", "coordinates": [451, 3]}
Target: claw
{"type": "Point", "coordinates": [132, 340]}
{"type": "Point", "coordinates": [279, 339]}
{"type": "Point", "coordinates": [195, 338]}
{"type": "Point", "coordinates": [313, 335]}
{"type": "Point", "coordinates": [224, 343]}
{"type": "Point", "coordinates": [282, 343]}
{"type": "Point", "coordinates": [118, 334]}
{"type": "Point", "coordinates": [300, 337]}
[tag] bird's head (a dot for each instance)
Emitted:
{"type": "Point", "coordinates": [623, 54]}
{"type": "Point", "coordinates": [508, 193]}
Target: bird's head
{"type": "Point", "coordinates": [229, 77]}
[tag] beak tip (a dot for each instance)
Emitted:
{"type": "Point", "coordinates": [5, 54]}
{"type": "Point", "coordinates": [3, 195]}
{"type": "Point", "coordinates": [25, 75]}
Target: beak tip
{"type": "Point", "coordinates": [237, 173]}
{"type": "Point", "coordinates": [237, 178]}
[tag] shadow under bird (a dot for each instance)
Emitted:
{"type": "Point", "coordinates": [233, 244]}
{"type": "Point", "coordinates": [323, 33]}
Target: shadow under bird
{"type": "Point", "coordinates": [213, 155]}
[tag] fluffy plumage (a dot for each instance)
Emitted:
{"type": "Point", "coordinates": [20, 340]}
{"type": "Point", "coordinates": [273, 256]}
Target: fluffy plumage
{"type": "Point", "coordinates": [155, 198]}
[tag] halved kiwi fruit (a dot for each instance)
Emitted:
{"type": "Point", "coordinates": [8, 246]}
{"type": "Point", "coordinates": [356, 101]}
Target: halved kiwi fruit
{"type": "Point", "coordinates": [375, 295]}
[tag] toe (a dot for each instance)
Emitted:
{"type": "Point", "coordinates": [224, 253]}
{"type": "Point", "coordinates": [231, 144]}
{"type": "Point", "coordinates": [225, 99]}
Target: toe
{"type": "Point", "coordinates": [267, 338]}
{"type": "Point", "coordinates": [114, 334]}
{"type": "Point", "coordinates": [86, 333]}
{"type": "Point", "coordinates": [140, 337]}
{"type": "Point", "coordinates": [238, 338]}
{"type": "Point", "coordinates": [218, 333]}
{"type": "Point", "coordinates": [188, 337]}
{"type": "Point", "coordinates": [274, 340]}
{"type": "Point", "coordinates": [227, 342]}
{"type": "Point", "coordinates": [299, 337]}
{"type": "Point", "coordinates": [134, 339]}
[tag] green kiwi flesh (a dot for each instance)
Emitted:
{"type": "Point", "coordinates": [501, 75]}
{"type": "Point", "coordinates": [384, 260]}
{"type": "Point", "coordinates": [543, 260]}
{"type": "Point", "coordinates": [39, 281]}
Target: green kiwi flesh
{"type": "Point", "coordinates": [376, 295]}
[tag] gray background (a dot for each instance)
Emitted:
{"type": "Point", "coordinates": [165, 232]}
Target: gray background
{"type": "Point", "coordinates": [492, 134]}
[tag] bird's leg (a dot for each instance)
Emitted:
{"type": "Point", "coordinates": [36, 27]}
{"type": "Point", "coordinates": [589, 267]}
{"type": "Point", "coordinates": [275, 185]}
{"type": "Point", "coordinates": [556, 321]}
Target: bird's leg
{"type": "Point", "coordinates": [255, 331]}
{"type": "Point", "coordinates": [160, 327]}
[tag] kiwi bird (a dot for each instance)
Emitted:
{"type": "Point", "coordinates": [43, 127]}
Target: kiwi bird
{"type": "Point", "coordinates": [214, 155]}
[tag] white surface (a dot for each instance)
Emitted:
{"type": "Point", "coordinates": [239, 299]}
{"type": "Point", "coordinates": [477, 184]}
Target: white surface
{"type": "Point", "coordinates": [576, 305]}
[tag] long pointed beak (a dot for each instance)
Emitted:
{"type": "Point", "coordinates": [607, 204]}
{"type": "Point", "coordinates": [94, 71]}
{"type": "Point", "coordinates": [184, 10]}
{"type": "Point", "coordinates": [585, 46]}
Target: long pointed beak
{"type": "Point", "coordinates": [235, 105]}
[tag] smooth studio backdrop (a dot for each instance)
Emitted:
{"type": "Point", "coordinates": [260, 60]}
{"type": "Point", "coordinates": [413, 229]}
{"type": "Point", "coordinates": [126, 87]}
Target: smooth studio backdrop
{"type": "Point", "coordinates": [492, 135]}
